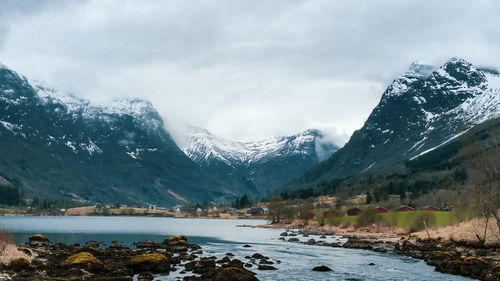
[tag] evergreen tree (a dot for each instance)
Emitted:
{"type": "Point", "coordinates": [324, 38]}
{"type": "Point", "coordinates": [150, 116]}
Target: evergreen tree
{"type": "Point", "coordinates": [369, 198]}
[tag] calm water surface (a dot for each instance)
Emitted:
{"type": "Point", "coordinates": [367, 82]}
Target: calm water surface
{"type": "Point", "coordinates": [221, 236]}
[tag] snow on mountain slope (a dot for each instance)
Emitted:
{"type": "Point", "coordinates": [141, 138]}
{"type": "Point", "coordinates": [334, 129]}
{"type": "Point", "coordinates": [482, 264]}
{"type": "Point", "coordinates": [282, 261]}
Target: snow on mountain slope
{"type": "Point", "coordinates": [141, 110]}
{"type": "Point", "coordinates": [58, 146]}
{"type": "Point", "coordinates": [18, 91]}
{"type": "Point", "coordinates": [420, 110]}
{"type": "Point", "coordinates": [440, 101]}
{"type": "Point", "coordinates": [205, 148]}
{"type": "Point", "coordinates": [257, 168]}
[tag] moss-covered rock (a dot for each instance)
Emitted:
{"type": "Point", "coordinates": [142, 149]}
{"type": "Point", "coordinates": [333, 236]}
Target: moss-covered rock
{"type": "Point", "coordinates": [472, 261]}
{"type": "Point", "coordinates": [201, 266]}
{"type": "Point", "coordinates": [178, 243]}
{"type": "Point", "coordinates": [83, 260]}
{"type": "Point", "coordinates": [444, 255]}
{"type": "Point", "coordinates": [19, 263]}
{"type": "Point", "coordinates": [440, 258]}
{"type": "Point", "coordinates": [38, 240]}
{"type": "Point", "coordinates": [175, 238]}
{"type": "Point", "coordinates": [38, 237]}
{"type": "Point", "coordinates": [25, 250]}
{"type": "Point", "coordinates": [88, 249]}
{"type": "Point", "coordinates": [353, 243]}
{"type": "Point", "coordinates": [466, 266]}
{"type": "Point", "coordinates": [495, 268]}
{"type": "Point", "coordinates": [154, 262]}
{"type": "Point", "coordinates": [235, 274]}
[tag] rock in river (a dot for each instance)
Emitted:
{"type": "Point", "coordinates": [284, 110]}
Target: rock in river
{"type": "Point", "coordinates": [322, 268]}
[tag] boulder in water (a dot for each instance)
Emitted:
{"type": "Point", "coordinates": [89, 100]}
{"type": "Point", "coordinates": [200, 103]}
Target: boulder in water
{"type": "Point", "coordinates": [322, 268]}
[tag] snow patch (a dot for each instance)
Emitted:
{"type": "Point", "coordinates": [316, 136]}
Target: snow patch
{"type": "Point", "coordinates": [9, 126]}
{"type": "Point", "coordinates": [369, 167]}
{"type": "Point", "coordinates": [132, 154]}
{"type": "Point", "coordinates": [71, 145]}
{"type": "Point", "coordinates": [91, 147]}
{"type": "Point", "coordinates": [204, 147]}
{"type": "Point", "coordinates": [437, 146]}
{"type": "Point", "coordinates": [13, 128]}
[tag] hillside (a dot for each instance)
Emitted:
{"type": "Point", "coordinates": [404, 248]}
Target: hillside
{"type": "Point", "coordinates": [438, 177]}
{"type": "Point", "coordinates": [257, 167]}
{"type": "Point", "coordinates": [57, 146]}
{"type": "Point", "coordinates": [424, 108]}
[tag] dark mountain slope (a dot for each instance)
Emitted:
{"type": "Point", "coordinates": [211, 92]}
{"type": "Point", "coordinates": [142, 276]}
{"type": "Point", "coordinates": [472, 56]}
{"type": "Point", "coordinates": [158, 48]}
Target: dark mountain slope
{"type": "Point", "coordinates": [420, 110]}
{"type": "Point", "coordinates": [63, 147]}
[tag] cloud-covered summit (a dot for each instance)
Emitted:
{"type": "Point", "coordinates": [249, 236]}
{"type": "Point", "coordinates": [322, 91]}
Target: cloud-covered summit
{"type": "Point", "coordinates": [243, 69]}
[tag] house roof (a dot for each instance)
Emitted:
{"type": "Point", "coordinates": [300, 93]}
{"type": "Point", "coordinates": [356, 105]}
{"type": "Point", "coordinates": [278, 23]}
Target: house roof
{"type": "Point", "coordinates": [405, 208]}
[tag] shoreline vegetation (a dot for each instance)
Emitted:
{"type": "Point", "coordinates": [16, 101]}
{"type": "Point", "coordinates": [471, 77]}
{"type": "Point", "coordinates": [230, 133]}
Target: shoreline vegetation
{"type": "Point", "coordinates": [40, 259]}
{"type": "Point", "coordinates": [452, 249]}
{"type": "Point", "coordinates": [128, 211]}
{"type": "Point", "coordinates": [454, 242]}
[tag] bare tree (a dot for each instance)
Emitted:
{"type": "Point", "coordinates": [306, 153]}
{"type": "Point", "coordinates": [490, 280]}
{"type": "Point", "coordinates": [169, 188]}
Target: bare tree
{"type": "Point", "coordinates": [482, 155]}
{"type": "Point", "coordinates": [276, 208]}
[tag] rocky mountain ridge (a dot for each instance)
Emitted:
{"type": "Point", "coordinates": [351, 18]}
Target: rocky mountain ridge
{"type": "Point", "coordinates": [262, 165]}
{"type": "Point", "coordinates": [422, 109]}
{"type": "Point", "coordinates": [59, 146]}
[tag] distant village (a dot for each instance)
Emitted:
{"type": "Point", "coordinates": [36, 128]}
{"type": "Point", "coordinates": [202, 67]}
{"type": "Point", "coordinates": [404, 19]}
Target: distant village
{"type": "Point", "coordinates": [323, 207]}
{"type": "Point", "coordinates": [211, 210]}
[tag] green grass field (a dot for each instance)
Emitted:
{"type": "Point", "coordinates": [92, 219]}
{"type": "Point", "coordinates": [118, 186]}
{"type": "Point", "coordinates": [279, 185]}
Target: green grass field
{"type": "Point", "coordinates": [413, 219]}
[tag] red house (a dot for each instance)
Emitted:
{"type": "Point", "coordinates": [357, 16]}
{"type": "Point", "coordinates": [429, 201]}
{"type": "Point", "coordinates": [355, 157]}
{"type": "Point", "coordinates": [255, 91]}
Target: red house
{"type": "Point", "coordinates": [330, 214]}
{"type": "Point", "coordinates": [354, 212]}
{"type": "Point", "coordinates": [405, 208]}
{"type": "Point", "coordinates": [381, 210]}
{"type": "Point", "coordinates": [306, 215]}
{"type": "Point", "coordinates": [431, 208]}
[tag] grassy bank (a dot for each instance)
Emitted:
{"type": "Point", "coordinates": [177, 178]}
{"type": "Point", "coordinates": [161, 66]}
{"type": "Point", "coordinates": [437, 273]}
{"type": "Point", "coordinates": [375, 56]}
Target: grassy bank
{"type": "Point", "coordinates": [412, 220]}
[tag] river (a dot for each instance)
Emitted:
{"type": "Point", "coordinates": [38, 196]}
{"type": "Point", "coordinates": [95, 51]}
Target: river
{"type": "Point", "coordinates": [219, 236]}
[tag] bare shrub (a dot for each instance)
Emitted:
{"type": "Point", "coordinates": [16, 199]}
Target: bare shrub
{"type": "Point", "coordinates": [421, 220]}
{"type": "Point", "coordinates": [5, 240]}
{"type": "Point", "coordinates": [482, 155]}
{"type": "Point", "coordinates": [367, 217]}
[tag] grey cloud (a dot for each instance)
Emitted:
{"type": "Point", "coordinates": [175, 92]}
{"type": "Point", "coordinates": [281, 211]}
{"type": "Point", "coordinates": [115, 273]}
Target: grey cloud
{"type": "Point", "coordinates": [243, 68]}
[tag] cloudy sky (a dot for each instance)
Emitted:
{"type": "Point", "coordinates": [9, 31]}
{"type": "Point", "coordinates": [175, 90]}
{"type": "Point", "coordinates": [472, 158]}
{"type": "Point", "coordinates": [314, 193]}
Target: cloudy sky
{"type": "Point", "coordinates": [243, 69]}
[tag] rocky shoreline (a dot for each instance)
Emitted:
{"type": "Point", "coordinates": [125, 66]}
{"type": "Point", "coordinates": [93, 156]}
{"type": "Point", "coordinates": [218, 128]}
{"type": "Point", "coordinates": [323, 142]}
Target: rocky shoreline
{"type": "Point", "coordinates": [447, 256]}
{"type": "Point", "coordinates": [58, 261]}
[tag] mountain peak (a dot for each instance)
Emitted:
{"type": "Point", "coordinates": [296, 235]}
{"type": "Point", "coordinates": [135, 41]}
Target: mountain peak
{"type": "Point", "coordinates": [414, 116]}
{"type": "Point", "coordinates": [420, 69]}
{"type": "Point", "coordinates": [459, 72]}
{"type": "Point", "coordinates": [203, 146]}
{"type": "Point", "coordinates": [457, 60]}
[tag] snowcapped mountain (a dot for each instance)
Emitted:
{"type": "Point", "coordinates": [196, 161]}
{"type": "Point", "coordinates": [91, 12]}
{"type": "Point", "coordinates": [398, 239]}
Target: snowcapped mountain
{"type": "Point", "coordinates": [422, 109]}
{"type": "Point", "coordinates": [259, 167]}
{"type": "Point", "coordinates": [58, 146]}
{"type": "Point", "coordinates": [205, 148]}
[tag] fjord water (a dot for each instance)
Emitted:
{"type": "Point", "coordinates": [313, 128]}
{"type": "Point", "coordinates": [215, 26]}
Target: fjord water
{"type": "Point", "coordinates": [218, 236]}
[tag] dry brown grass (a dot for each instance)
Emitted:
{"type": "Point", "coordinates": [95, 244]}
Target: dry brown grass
{"type": "Point", "coordinates": [8, 250]}
{"type": "Point", "coordinates": [465, 231]}
{"type": "Point", "coordinates": [5, 240]}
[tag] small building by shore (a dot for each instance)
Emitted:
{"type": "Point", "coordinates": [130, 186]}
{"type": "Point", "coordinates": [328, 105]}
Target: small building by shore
{"type": "Point", "coordinates": [258, 211]}
{"type": "Point", "coordinates": [405, 208]}
{"type": "Point", "coordinates": [330, 214]}
{"type": "Point", "coordinates": [306, 215]}
{"type": "Point", "coordinates": [431, 208]}
{"type": "Point", "coordinates": [354, 211]}
{"type": "Point", "coordinates": [381, 210]}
